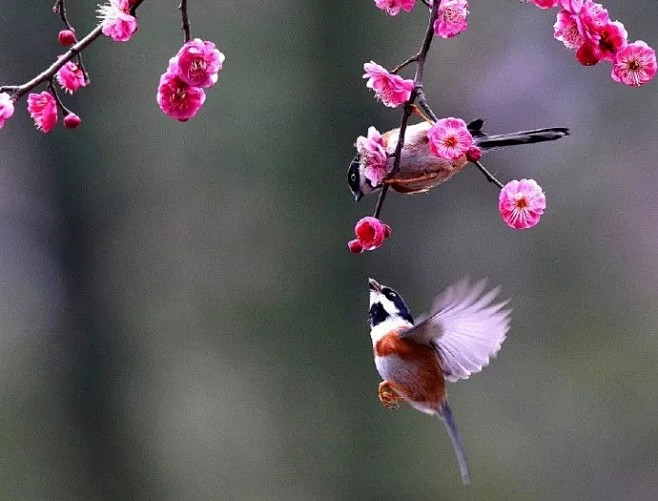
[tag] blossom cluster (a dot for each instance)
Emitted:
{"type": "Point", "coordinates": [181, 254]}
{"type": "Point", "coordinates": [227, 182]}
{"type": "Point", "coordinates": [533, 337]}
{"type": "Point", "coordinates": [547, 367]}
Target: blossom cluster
{"type": "Point", "coordinates": [451, 19]}
{"type": "Point", "coordinates": [585, 26]}
{"type": "Point", "coordinates": [194, 68]}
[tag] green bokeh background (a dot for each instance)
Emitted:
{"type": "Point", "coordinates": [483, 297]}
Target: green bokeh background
{"type": "Point", "coordinates": [180, 318]}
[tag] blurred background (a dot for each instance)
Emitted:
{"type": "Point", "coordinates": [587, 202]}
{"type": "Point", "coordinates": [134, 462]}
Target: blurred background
{"type": "Point", "coordinates": [180, 317]}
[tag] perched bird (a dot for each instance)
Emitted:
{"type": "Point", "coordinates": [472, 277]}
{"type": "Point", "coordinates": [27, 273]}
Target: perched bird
{"type": "Point", "coordinates": [420, 170]}
{"type": "Point", "coordinates": [465, 329]}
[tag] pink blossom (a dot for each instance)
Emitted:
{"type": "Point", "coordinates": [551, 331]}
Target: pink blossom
{"type": "Point", "coordinates": [6, 108]}
{"type": "Point", "coordinates": [177, 99]}
{"type": "Point", "coordinates": [393, 7]}
{"type": "Point", "coordinates": [545, 4]}
{"type": "Point", "coordinates": [449, 138]}
{"type": "Point", "coordinates": [117, 22]}
{"type": "Point", "coordinates": [566, 30]}
{"type": "Point", "coordinates": [634, 64]}
{"type": "Point", "coordinates": [199, 62]}
{"type": "Point", "coordinates": [72, 121]}
{"type": "Point", "coordinates": [43, 110]}
{"type": "Point", "coordinates": [71, 77]}
{"type": "Point", "coordinates": [521, 203]}
{"type": "Point", "coordinates": [451, 20]}
{"type": "Point", "coordinates": [391, 90]}
{"type": "Point", "coordinates": [66, 37]}
{"type": "Point", "coordinates": [370, 233]}
{"type": "Point", "coordinates": [613, 36]}
{"type": "Point", "coordinates": [372, 151]}
{"type": "Point", "coordinates": [574, 6]}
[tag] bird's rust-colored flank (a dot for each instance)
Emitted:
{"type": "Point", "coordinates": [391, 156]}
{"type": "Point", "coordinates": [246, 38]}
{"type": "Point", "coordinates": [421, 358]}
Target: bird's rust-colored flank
{"type": "Point", "coordinates": [425, 381]}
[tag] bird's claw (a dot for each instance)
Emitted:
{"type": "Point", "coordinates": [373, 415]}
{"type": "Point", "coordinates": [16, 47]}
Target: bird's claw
{"type": "Point", "coordinates": [387, 396]}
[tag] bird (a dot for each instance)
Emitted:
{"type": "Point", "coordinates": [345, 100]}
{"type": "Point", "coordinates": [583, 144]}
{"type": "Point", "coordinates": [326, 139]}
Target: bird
{"type": "Point", "coordinates": [466, 327]}
{"type": "Point", "coordinates": [420, 170]}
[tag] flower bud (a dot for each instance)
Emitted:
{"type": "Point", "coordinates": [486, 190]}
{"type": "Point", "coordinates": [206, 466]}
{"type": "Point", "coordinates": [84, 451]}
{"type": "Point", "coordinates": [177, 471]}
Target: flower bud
{"type": "Point", "coordinates": [66, 37]}
{"type": "Point", "coordinates": [72, 121]}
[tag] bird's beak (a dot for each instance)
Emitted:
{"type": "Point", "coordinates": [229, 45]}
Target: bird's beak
{"type": "Point", "coordinates": [357, 196]}
{"type": "Point", "coordinates": [374, 286]}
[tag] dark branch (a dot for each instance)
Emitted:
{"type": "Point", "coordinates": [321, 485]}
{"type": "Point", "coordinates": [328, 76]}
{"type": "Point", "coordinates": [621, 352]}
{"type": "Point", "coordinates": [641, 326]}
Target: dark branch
{"type": "Point", "coordinates": [185, 20]}
{"type": "Point", "coordinates": [419, 58]}
{"type": "Point", "coordinates": [490, 177]}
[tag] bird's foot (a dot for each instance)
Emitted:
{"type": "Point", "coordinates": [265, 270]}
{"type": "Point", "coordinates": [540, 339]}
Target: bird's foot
{"type": "Point", "coordinates": [387, 396]}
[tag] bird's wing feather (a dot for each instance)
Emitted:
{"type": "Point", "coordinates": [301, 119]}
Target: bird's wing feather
{"type": "Point", "coordinates": [466, 328]}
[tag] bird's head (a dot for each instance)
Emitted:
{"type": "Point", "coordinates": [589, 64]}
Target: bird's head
{"type": "Point", "coordinates": [357, 181]}
{"type": "Point", "coordinates": [386, 305]}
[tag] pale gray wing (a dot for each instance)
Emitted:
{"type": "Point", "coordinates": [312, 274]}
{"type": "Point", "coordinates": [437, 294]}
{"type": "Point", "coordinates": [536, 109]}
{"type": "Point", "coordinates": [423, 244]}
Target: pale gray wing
{"type": "Point", "coordinates": [467, 328]}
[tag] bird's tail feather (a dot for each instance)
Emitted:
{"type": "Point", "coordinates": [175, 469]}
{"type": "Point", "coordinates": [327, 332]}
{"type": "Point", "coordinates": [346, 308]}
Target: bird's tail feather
{"type": "Point", "coordinates": [488, 142]}
{"type": "Point", "coordinates": [451, 427]}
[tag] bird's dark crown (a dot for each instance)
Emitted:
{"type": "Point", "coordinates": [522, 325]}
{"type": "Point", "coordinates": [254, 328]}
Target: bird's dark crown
{"type": "Point", "coordinates": [378, 312]}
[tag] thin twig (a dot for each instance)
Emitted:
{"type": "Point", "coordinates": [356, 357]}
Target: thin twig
{"type": "Point", "coordinates": [48, 74]}
{"type": "Point", "coordinates": [185, 20]}
{"type": "Point", "coordinates": [419, 58]}
{"type": "Point", "coordinates": [53, 91]}
{"type": "Point", "coordinates": [412, 59]}
{"type": "Point", "coordinates": [490, 177]}
{"type": "Point", "coordinates": [60, 8]}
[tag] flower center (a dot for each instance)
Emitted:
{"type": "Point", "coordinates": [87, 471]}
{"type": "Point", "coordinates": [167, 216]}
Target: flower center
{"type": "Point", "coordinates": [521, 202]}
{"type": "Point", "coordinates": [450, 142]}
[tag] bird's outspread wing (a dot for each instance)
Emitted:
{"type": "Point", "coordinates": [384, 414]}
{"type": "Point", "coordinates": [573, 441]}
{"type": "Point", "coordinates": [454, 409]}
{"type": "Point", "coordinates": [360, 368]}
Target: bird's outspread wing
{"type": "Point", "coordinates": [466, 328]}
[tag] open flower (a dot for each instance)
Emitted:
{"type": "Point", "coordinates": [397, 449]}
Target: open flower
{"type": "Point", "coordinates": [177, 99]}
{"type": "Point", "coordinates": [449, 138]}
{"type": "Point", "coordinates": [71, 77]}
{"type": "Point", "coordinates": [372, 151]}
{"type": "Point", "coordinates": [6, 108]}
{"type": "Point", "coordinates": [370, 233]}
{"type": "Point", "coordinates": [393, 7]}
{"type": "Point", "coordinates": [43, 110]}
{"type": "Point", "coordinates": [199, 62]}
{"type": "Point", "coordinates": [391, 90]}
{"type": "Point", "coordinates": [521, 203]}
{"type": "Point", "coordinates": [451, 20]}
{"type": "Point", "coordinates": [118, 23]}
{"type": "Point", "coordinates": [634, 64]}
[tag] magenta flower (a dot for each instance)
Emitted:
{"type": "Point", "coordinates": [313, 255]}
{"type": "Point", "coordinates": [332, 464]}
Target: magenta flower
{"type": "Point", "coordinates": [521, 203]}
{"type": "Point", "coordinates": [6, 108]}
{"type": "Point", "coordinates": [199, 62]}
{"type": "Point", "coordinates": [451, 20]}
{"type": "Point", "coordinates": [613, 36]}
{"type": "Point", "coordinates": [545, 4]}
{"type": "Point", "coordinates": [43, 110]}
{"type": "Point", "coordinates": [393, 7]}
{"type": "Point", "coordinates": [370, 233]}
{"type": "Point", "coordinates": [391, 90]}
{"type": "Point", "coordinates": [177, 99]}
{"type": "Point", "coordinates": [72, 121]}
{"type": "Point", "coordinates": [118, 23]}
{"type": "Point", "coordinates": [634, 64]}
{"type": "Point", "coordinates": [566, 30]}
{"type": "Point", "coordinates": [449, 138]}
{"type": "Point", "coordinates": [71, 77]}
{"type": "Point", "coordinates": [66, 37]}
{"type": "Point", "coordinates": [372, 151]}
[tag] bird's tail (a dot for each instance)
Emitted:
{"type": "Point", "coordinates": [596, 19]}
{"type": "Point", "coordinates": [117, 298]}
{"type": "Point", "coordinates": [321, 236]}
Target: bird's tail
{"type": "Point", "coordinates": [488, 142]}
{"type": "Point", "coordinates": [451, 427]}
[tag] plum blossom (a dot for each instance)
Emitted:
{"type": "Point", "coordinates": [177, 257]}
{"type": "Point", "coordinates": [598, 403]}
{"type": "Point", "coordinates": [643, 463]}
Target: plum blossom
{"type": "Point", "coordinates": [634, 64]}
{"type": "Point", "coordinates": [43, 110]}
{"type": "Point", "coordinates": [451, 20]}
{"type": "Point", "coordinates": [521, 203]}
{"type": "Point", "coordinates": [117, 22]}
{"type": "Point", "coordinates": [392, 90]}
{"type": "Point", "coordinates": [6, 108]}
{"type": "Point", "coordinates": [393, 7]}
{"type": "Point", "coordinates": [71, 77]}
{"type": "Point", "coordinates": [198, 63]}
{"type": "Point", "coordinates": [66, 37]}
{"type": "Point", "coordinates": [545, 4]}
{"type": "Point", "coordinates": [373, 156]}
{"type": "Point", "coordinates": [72, 121]}
{"type": "Point", "coordinates": [370, 233]}
{"type": "Point", "coordinates": [449, 138]}
{"type": "Point", "coordinates": [177, 99]}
